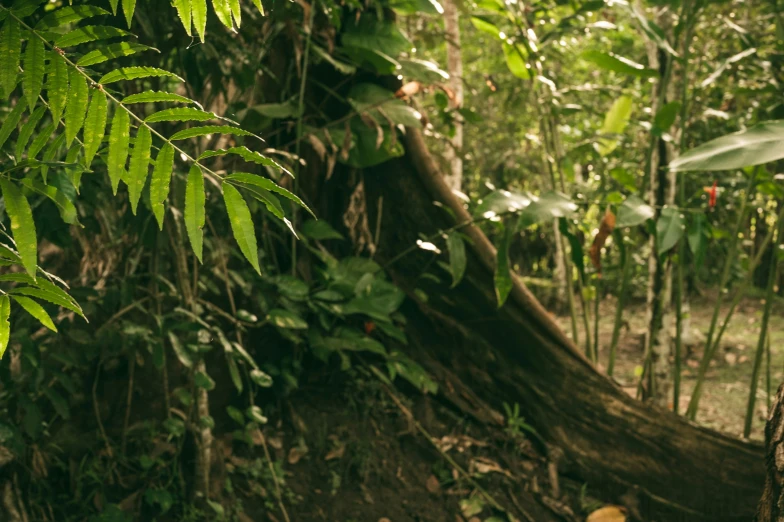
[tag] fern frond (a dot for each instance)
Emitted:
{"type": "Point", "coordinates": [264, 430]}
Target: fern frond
{"type": "Point", "coordinates": [94, 126]}
{"type": "Point", "coordinates": [104, 54]}
{"type": "Point", "coordinates": [35, 66]}
{"type": "Point", "coordinates": [140, 162]}
{"type": "Point", "coordinates": [89, 33]}
{"type": "Point", "coordinates": [119, 141]}
{"type": "Point", "coordinates": [155, 97]}
{"type": "Point", "coordinates": [161, 178]}
{"type": "Point", "coordinates": [76, 110]}
{"type": "Point", "coordinates": [135, 73]}
{"type": "Point", "coordinates": [194, 211]}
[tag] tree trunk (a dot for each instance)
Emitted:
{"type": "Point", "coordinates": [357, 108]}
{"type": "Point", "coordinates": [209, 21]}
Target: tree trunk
{"type": "Point", "coordinates": [454, 62]}
{"type": "Point", "coordinates": [771, 505]}
{"type": "Point", "coordinates": [658, 464]}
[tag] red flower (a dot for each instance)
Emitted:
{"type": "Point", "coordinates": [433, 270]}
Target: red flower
{"type": "Point", "coordinates": [711, 195]}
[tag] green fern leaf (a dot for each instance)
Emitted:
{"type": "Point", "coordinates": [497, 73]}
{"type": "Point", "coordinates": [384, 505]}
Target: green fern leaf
{"type": "Point", "coordinates": [114, 4]}
{"type": "Point", "coordinates": [69, 15]}
{"type": "Point", "coordinates": [241, 224]}
{"type": "Point", "coordinates": [94, 126]}
{"type": "Point", "coordinates": [194, 212]}
{"type": "Point", "coordinates": [155, 96]}
{"type": "Point", "coordinates": [36, 311]}
{"type": "Point", "coordinates": [268, 199]}
{"type": "Point", "coordinates": [34, 68]}
{"type": "Point", "coordinates": [57, 85]}
{"type": "Point", "coordinates": [40, 141]}
{"type": "Point", "coordinates": [236, 12]}
{"type": "Point", "coordinates": [246, 154]}
{"type": "Point", "coordinates": [258, 5]}
{"type": "Point", "coordinates": [134, 73]}
{"type": "Point", "coordinates": [181, 114]}
{"type": "Point", "coordinates": [10, 49]}
{"type": "Point", "coordinates": [24, 8]}
{"type": "Point", "coordinates": [266, 184]}
{"type": "Point", "coordinates": [27, 131]}
{"type": "Point", "coordinates": [5, 325]}
{"type": "Point", "coordinates": [50, 153]}
{"type": "Point", "coordinates": [195, 132]}
{"type": "Point", "coordinates": [119, 140]}
{"type": "Point", "coordinates": [140, 162]}
{"type": "Point", "coordinates": [199, 13]}
{"type": "Point", "coordinates": [64, 205]}
{"type": "Point", "coordinates": [89, 33]}
{"type": "Point", "coordinates": [223, 11]}
{"type": "Point", "coordinates": [76, 110]}
{"type": "Point", "coordinates": [112, 51]}
{"type": "Point", "coordinates": [11, 121]}
{"type": "Point", "coordinates": [129, 6]}
{"type": "Point", "coordinates": [183, 8]}
{"type": "Point", "coordinates": [44, 293]}
{"type": "Point", "coordinates": [22, 225]}
{"type": "Point", "coordinates": [161, 178]}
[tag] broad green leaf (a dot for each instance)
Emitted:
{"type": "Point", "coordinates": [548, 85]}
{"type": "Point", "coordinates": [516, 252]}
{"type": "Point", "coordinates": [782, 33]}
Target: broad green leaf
{"type": "Point", "coordinates": [665, 117]}
{"type": "Point", "coordinates": [634, 211]}
{"type": "Point", "coordinates": [195, 132]}
{"type": "Point", "coordinates": [180, 114]}
{"type": "Point", "coordinates": [139, 166]}
{"type": "Point", "coordinates": [36, 310]}
{"type": "Point", "coordinates": [726, 64]}
{"type": "Point", "coordinates": [619, 64]}
{"type": "Point", "coordinates": [5, 325]}
{"type": "Point", "coordinates": [266, 184]}
{"type": "Point", "coordinates": [76, 110]}
{"type": "Point", "coordinates": [319, 230]}
{"type": "Point", "coordinates": [27, 130]}
{"type": "Point", "coordinates": [261, 378]}
{"type": "Point", "coordinates": [246, 154]}
{"type": "Point", "coordinates": [241, 224]}
{"type": "Point", "coordinates": [11, 121]}
{"type": "Point", "coordinates": [485, 26]}
{"type": "Point", "coordinates": [515, 55]}
{"type": "Point", "coordinates": [114, 4]}
{"type": "Point", "coordinates": [134, 73]}
{"type": "Point", "coordinates": [457, 256]}
{"type": "Point", "coordinates": [129, 6]}
{"type": "Point", "coordinates": [502, 279]}
{"type": "Point", "coordinates": [697, 237]}
{"type": "Point", "coordinates": [183, 8]}
{"type": "Point", "coordinates": [285, 319]}
{"type": "Point", "coordinates": [382, 105]}
{"type": "Point", "coordinates": [88, 33]}
{"type": "Point", "coordinates": [119, 142]}
{"type": "Point", "coordinates": [64, 205]}
{"type": "Point", "coordinates": [161, 179]}
{"type": "Point", "coordinates": [94, 126]}
{"type": "Point", "coordinates": [614, 123]}
{"type": "Point", "coordinates": [110, 52]}
{"type": "Point", "coordinates": [203, 381]}
{"type": "Point", "coordinates": [22, 225]}
{"type": "Point", "coordinates": [195, 200]}
{"type": "Point", "coordinates": [10, 50]}
{"type": "Point", "coordinates": [57, 85]}
{"type": "Point", "coordinates": [223, 11]}
{"type": "Point", "coordinates": [50, 152]}
{"type": "Point", "coordinates": [550, 205]}
{"type": "Point", "coordinates": [34, 68]}
{"type": "Point", "coordinates": [368, 32]}
{"type": "Point", "coordinates": [155, 96]}
{"type": "Point", "coordinates": [69, 15]}
{"type": "Point", "coordinates": [180, 351]}
{"type": "Point", "coordinates": [199, 13]}
{"type": "Point", "coordinates": [756, 145]}
{"type": "Point", "coordinates": [669, 229]}
{"type": "Point", "coordinates": [259, 6]}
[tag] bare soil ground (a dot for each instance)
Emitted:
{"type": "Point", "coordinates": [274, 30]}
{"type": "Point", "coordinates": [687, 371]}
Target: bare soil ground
{"type": "Point", "coordinates": [726, 389]}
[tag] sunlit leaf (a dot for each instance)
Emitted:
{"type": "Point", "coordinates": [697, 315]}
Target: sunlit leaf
{"type": "Point", "coordinates": [139, 166]}
{"type": "Point", "coordinates": [36, 310]}
{"type": "Point", "coordinates": [57, 85]}
{"type": "Point", "coordinates": [134, 73]}
{"type": "Point", "coordinates": [110, 52]}
{"type": "Point", "coordinates": [89, 33]}
{"type": "Point", "coordinates": [619, 64]}
{"type": "Point", "coordinates": [241, 224]}
{"type": "Point", "coordinates": [94, 126]}
{"type": "Point", "coordinates": [10, 51]}
{"type": "Point", "coordinates": [161, 179]}
{"type": "Point", "coordinates": [195, 132]}
{"type": "Point", "coordinates": [34, 67]}
{"type": "Point", "coordinates": [119, 143]}
{"type": "Point", "coordinates": [5, 325]}
{"type": "Point", "coordinates": [669, 229]}
{"type": "Point", "coordinates": [634, 211]}
{"type": "Point", "coordinates": [614, 123]}
{"type": "Point", "coordinates": [69, 15]}
{"type": "Point", "coordinates": [155, 97]}
{"type": "Point", "coordinates": [22, 225]}
{"type": "Point", "coordinates": [76, 110]}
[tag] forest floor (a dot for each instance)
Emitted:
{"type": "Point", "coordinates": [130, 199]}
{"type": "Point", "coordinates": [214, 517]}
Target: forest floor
{"type": "Point", "coordinates": [726, 389]}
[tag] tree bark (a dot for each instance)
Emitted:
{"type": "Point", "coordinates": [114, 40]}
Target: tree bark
{"type": "Point", "coordinates": [771, 505]}
{"type": "Point", "coordinates": [665, 467]}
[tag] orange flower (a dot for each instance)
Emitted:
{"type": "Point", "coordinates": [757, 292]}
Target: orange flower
{"type": "Point", "coordinates": [711, 195]}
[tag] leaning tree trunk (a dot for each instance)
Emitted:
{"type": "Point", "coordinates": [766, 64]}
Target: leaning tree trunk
{"type": "Point", "coordinates": [660, 465]}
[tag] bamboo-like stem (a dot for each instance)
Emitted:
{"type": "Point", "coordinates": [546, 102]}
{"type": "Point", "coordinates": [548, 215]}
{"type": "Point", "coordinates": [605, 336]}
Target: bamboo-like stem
{"type": "Point", "coordinates": [769, 296]}
{"type": "Point", "coordinates": [627, 261]}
